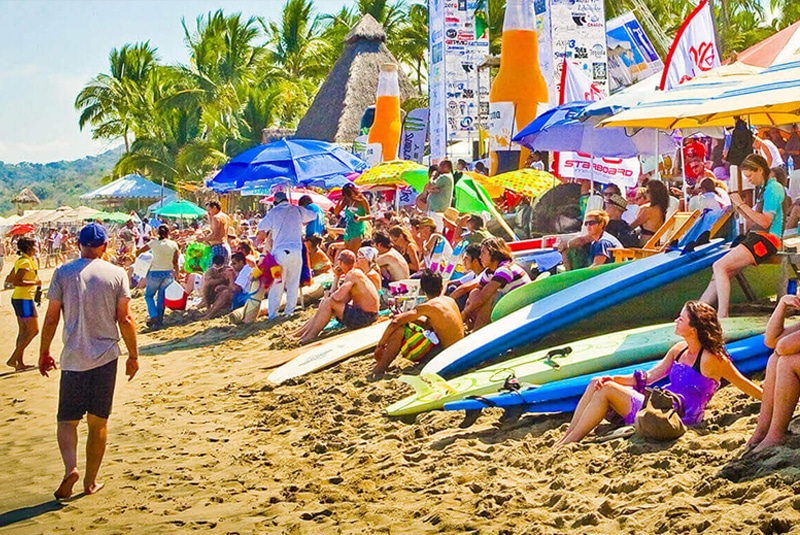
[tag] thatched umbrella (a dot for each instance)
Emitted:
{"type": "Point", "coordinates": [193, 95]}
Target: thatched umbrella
{"type": "Point", "coordinates": [23, 198]}
{"type": "Point", "coordinates": [349, 89]}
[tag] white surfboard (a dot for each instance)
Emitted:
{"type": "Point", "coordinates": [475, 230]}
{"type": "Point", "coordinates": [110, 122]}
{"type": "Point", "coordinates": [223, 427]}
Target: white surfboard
{"type": "Point", "coordinates": [336, 350]}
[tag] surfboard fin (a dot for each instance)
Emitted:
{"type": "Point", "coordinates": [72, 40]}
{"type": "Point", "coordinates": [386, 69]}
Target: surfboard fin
{"type": "Point", "coordinates": [419, 386]}
{"type": "Point", "coordinates": [470, 418]}
{"type": "Point", "coordinates": [512, 414]}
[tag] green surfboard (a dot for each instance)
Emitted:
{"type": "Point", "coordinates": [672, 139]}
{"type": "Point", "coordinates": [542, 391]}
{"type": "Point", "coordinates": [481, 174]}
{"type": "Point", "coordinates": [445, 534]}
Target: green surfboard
{"type": "Point", "coordinates": [560, 362]}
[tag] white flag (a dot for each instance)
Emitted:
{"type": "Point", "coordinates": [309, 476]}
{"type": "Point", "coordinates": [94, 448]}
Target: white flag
{"type": "Point", "coordinates": [694, 49]}
{"type": "Point", "coordinates": [575, 85]}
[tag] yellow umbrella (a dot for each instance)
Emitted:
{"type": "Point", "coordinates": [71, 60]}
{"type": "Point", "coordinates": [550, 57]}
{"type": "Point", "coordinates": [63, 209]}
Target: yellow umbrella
{"type": "Point", "coordinates": [387, 173]}
{"type": "Point", "coordinates": [770, 98]}
{"type": "Point", "coordinates": [530, 182]}
{"type": "Point", "coordinates": [685, 106]}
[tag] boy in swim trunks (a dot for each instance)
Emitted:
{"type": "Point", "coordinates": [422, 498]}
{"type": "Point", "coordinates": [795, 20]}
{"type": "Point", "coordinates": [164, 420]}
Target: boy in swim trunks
{"type": "Point", "coordinates": [423, 332]}
{"type": "Point", "coordinates": [355, 301]}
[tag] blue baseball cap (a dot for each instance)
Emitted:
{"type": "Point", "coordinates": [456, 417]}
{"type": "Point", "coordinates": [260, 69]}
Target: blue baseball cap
{"type": "Point", "coordinates": [93, 235]}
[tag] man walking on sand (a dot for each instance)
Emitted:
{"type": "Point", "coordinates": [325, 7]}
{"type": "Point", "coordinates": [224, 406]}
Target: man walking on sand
{"type": "Point", "coordinates": [94, 297]}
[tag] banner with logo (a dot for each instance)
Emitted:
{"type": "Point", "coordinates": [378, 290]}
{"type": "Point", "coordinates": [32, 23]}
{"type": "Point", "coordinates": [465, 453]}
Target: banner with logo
{"type": "Point", "coordinates": [466, 45]}
{"type": "Point", "coordinates": [631, 55]}
{"type": "Point", "coordinates": [694, 49]}
{"type": "Point", "coordinates": [436, 81]}
{"type": "Point", "coordinates": [360, 146]}
{"type": "Point", "coordinates": [501, 126]}
{"type": "Point", "coordinates": [415, 130]}
{"type": "Point", "coordinates": [406, 196]}
{"type": "Point", "coordinates": [624, 172]}
{"type": "Point", "coordinates": [579, 36]}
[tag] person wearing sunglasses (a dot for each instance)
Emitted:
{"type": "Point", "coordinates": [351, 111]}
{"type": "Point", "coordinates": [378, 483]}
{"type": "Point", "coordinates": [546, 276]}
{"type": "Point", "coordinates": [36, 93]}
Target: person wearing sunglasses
{"type": "Point", "coordinates": [592, 248]}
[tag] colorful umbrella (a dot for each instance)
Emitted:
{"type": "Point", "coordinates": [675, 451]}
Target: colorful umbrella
{"type": "Point", "coordinates": [491, 189]}
{"type": "Point", "coordinates": [20, 229]}
{"type": "Point", "coordinates": [530, 182]}
{"type": "Point", "coordinates": [320, 200]}
{"type": "Point", "coordinates": [416, 178]}
{"type": "Point", "coordinates": [299, 160]}
{"type": "Point", "coordinates": [180, 210]}
{"type": "Point", "coordinates": [387, 173]}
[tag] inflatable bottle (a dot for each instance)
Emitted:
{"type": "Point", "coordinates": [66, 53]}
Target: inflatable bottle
{"type": "Point", "coordinates": [385, 129]}
{"type": "Point", "coordinates": [519, 80]}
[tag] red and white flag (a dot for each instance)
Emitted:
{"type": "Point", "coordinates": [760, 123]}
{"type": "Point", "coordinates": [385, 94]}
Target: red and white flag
{"type": "Point", "coordinates": [694, 49]}
{"type": "Point", "coordinates": [575, 85]}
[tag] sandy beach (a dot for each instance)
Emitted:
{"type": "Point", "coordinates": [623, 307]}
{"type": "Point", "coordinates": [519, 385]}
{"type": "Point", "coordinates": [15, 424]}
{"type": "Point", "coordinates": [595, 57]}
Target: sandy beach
{"type": "Point", "coordinates": [199, 440]}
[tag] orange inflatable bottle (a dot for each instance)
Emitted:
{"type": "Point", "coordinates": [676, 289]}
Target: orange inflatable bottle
{"type": "Point", "coordinates": [386, 127]}
{"type": "Point", "coordinates": [519, 79]}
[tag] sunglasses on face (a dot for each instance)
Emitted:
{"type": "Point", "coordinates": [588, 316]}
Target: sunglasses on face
{"type": "Point", "coordinates": [591, 222]}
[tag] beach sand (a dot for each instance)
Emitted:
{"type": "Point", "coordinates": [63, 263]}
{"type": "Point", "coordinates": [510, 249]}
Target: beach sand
{"type": "Point", "coordinates": [200, 441]}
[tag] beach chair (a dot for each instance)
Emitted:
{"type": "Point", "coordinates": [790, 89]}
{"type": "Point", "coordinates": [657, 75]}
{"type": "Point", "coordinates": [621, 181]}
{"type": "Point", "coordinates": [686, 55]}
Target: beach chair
{"type": "Point", "coordinates": [673, 229]}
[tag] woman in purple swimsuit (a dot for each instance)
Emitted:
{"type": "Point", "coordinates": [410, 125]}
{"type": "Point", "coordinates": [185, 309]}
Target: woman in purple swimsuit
{"type": "Point", "coordinates": [694, 366]}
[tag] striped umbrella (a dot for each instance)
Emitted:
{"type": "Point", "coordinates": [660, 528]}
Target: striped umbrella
{"type": "Point", "coordinates": [530, 182]}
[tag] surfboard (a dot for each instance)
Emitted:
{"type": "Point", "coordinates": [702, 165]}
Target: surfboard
{"type": "Point", "coordinates": [538, 289]}
{"type": "Point", "coordinates": [749, 355]}
{"type": "Point", "coordinates": [555, 312]}
{"type": "Point", "coordinates": [335, 350]}
{"type": "Point", "coordinates": [557, 363]}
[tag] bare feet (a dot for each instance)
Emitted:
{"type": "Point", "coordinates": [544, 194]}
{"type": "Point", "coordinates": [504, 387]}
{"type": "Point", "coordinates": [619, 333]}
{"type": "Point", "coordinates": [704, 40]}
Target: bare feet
{"type": "Point", "coordinates": [23, 367]}
{"type": "Point", "coordinates": [767, 443]}
{"type": "Point", "coordinates": [93, 489]}
{"type": "Point", "coordinates": [11, 362]}
{"type": "Point", "coordinates": [64, 490]}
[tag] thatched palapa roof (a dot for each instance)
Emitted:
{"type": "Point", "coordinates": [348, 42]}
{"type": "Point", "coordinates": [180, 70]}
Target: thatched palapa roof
{"type": "Point", "coordinates": [26, 196]}
{"type": "Point", "coordinates": [349, 89]}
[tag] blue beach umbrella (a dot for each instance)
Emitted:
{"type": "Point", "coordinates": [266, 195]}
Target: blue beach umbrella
{"type": "Point", "coordinates": [301, 161]}
{"type": "Point", "coordinates": [568, 128]}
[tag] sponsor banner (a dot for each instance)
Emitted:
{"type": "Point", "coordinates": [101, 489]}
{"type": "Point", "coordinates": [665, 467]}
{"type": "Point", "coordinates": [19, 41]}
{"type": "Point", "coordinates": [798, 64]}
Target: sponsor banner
{"type": "Point", "coordinates": [466, 45]}
{"type": "Point", "coordinates": [578, 34]}
{"type": "Point", "coordinates": [694, 49]}
{"type": "Point", "coordinates": [373, 154]}
{"type": "Point", "coordinates": [631, 55]}
{"type": "Point", "coordinates": [623, 172]}
{"type": "Point", "coordinates": [360, 146]}
{"type": "Point", "coordinates": [415, 131]}
{"type": "Point", "coordinates": [501, 126]}
{"type": "Point", "coordinates": [436, 81]}
{"type": "Point", "coordinates": [406, 196]}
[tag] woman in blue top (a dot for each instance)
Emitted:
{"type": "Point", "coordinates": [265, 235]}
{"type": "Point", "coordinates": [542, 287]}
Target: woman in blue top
{"type": "Point", "coordinates": [765, 222]}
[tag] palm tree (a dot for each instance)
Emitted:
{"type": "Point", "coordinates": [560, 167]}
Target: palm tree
{"type": "Point", "coordinates": [412, 42]}
{"type": "Point", "coordinates": [107, 103]}
{"type": "Point", "coordinates": [295, 43]}
{"type": "Point", "coordinates": [788, 12]}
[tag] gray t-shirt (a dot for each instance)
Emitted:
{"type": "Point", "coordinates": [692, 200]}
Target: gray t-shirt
{"type": "Point", "coordinates": [89, 291]}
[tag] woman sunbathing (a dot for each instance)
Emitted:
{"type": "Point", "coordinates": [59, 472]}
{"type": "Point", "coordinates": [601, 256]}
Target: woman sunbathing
{"type": "Point", "coordinates": [694, 366]}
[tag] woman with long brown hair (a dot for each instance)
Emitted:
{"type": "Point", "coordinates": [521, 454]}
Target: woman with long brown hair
{"type": "Point", "coordinates": [356, 213]}
{"type": "Point", "coordinates": [695, 367]}
{"type": "Point", "coordinates": [406, 245]}
{"type": "Point", "coordinates": [652, 215]}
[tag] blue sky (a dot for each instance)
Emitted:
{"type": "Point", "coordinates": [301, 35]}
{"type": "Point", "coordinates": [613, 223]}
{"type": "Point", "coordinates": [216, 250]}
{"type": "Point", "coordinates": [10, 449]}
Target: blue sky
{"type": "Point", "coordinates": [49, 49]}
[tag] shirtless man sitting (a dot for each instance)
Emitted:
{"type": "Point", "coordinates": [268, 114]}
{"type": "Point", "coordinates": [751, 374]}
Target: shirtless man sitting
{"type": "Point", "coordinates": [422, 332]}
{"type": "Point", "coordinates": [218, 274]}
{"type": "Point", "coordinates": [393, 266]}
{"type": "Point", "coordinates": [355, 302]}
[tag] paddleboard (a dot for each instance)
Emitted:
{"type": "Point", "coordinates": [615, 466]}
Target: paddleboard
{"type": "Point", "coordinates": [335, 350]}
{"type": "Point", "coordinates": [557, 363]}
{"type": "Point", "coordinates": [555, 312]}
{"type": "Point", "coordinates": [540, 288]}
{"type": "Point", "coordinates": [749, 355]}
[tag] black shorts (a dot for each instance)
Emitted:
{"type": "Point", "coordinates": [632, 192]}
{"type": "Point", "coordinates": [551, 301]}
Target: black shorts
{"type": "Point", "coordinates": [91, 391]}
{"type": "Point", "coordinates": [762, 245]}
{"type": "Point", "coordinates": [24, 308]}
{"type": "Point", "coordinates": [355, 318]}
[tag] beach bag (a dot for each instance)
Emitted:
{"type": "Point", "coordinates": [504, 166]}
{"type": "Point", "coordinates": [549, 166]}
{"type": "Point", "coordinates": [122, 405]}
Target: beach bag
{"type": "Point", "coordinates": [660, 416]}
{"type": "Point", "coordinates": [197, 258]}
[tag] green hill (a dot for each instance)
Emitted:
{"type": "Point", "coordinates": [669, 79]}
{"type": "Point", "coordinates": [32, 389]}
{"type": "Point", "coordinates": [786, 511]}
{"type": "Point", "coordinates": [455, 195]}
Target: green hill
{"type": "Point", "coordinates": [56, 183]}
